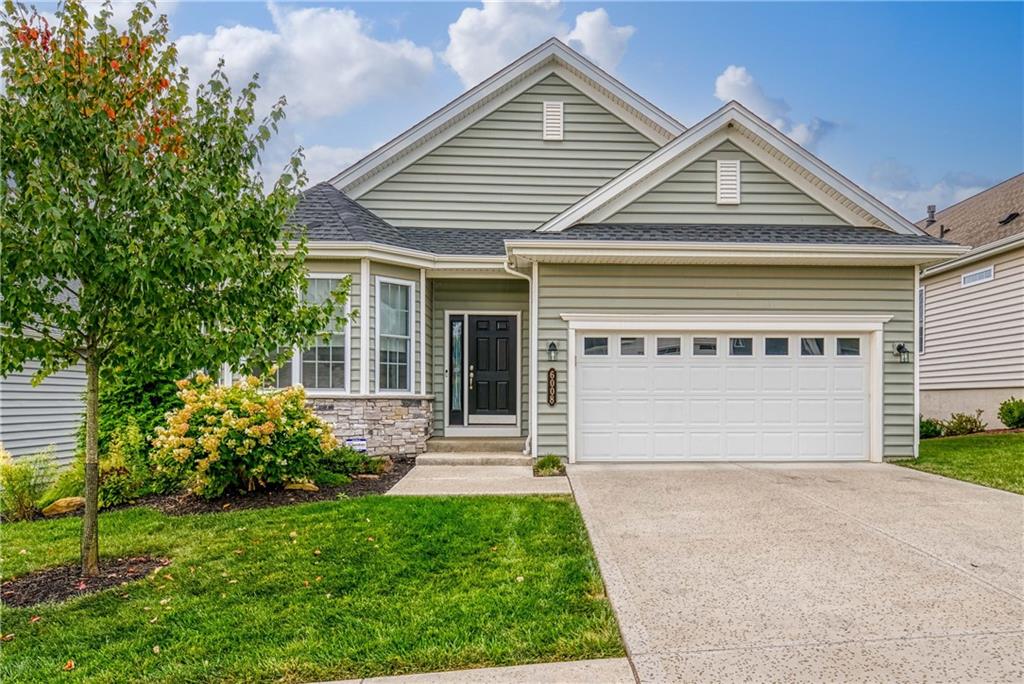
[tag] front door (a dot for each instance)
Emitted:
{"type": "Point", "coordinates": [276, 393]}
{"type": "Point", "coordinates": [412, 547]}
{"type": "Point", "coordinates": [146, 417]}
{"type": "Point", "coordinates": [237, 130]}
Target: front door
{"type": "Point", "coordinates": [491, 369]}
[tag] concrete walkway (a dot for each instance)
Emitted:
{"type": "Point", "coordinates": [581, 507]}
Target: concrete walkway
{"type": "Point", "coordinates": [608, 671]}
{"type": "Point", "coordinates": [851, 572]}
{"type": "Point", "coordinates": [441, 480]}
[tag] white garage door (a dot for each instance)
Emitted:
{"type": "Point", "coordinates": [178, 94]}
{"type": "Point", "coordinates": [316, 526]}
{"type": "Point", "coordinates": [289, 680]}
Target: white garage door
{"type": "Point", "coordinates": [649, 396]}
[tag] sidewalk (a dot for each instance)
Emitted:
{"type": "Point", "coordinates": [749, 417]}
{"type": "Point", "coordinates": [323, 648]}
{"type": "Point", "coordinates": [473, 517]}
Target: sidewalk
{"type": "Point", "coordinates": [442, 480]}
{"type": "Point", "coordinates": [605, 671]}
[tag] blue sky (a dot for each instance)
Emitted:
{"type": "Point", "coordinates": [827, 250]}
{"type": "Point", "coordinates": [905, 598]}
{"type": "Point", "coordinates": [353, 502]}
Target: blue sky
{"type": "Point", "coordinates": [919, 102]}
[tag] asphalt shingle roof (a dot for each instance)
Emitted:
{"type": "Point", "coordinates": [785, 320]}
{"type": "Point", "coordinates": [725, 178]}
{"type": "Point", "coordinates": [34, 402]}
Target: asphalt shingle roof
{"type": "Point", "coordinates": [330, 215]}
{"type": "Point", "coordinates": [978, 220]}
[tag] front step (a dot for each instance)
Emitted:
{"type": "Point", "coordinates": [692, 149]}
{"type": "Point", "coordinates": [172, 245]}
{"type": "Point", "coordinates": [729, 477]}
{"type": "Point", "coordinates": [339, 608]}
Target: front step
{"type": "Point", "coordinates": [473, 459]}
{"type": "Point", "coordinates": [476, 445]}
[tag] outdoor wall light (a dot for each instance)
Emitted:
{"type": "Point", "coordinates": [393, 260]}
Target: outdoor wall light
{"type": "Point", "coordinates": [902, 353]}
{"type": "Point", "coordinates": [552, 351]}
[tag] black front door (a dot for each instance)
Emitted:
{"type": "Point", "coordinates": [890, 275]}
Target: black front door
{"type": "Point", "coordinates": [491, 369]}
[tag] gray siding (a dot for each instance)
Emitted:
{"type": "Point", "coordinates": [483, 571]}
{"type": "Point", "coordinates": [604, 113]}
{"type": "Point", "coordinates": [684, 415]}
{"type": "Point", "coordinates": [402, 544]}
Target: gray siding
{"type": "Point", "coordinates": [33, 418]}
{"type": "Point", "coordinates": [499, 173]}
{"type": "Point", "coordinates": [728, 289]}
{"type": "Point", "coordinates": [974, 336]}
{"type": "Point", "coordinates": [479, 295]}
{"type": "Point", "coordinates": [689, 197]}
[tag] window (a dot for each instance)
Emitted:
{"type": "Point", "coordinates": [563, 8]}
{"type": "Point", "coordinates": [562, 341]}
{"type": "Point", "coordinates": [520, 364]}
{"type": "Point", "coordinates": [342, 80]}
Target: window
{"type": "Point", "coordinates": [920, 320]}
{"type": "Point", "coordinates": [324, 366]}
{"type": "Point", "coordinates": [848, 346]}
{"type": "Point", "coordinates": [394, 335]}
{"type": "Point", "coordinates": [812, 346]}
{"type": "Point", "coordinates": [982, 275]}
{"type": "Point", "coordinates": [631, 346]}
{"type": "Point", "coordinates": [776, 346]}
{"type": "Point", "coordinates": [595, 346]}
{"type": "Point", "coordinates": [741, 346]}
{"type": "Point", "coordinates": [705, 346]}
{"type": "Point", "coordinates": [669, 346]}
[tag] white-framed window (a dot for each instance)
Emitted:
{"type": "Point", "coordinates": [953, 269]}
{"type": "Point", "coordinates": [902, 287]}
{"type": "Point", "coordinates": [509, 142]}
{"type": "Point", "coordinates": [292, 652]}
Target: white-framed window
{"type": "Point", "coordinates": [324, 367]}
{"type": "Point", "coordinates": [595, 346]}
{"type": "Point", "coordinates": [776, 346]}
{"type": "Point", "coordinates": [705, 346]}
{"type": "Point", "coordinates": [920, 320]}
{"type": "Point", "coordinates": [631, 346]}
{"type": "Point", "coordinates": [741, 346]}
{"type": "Point", "coordinates": [670, 346]}
{"type": "Point", "coordinates": [982, 275]}
{"type": "Point", "coordinates": [847, 346]}
{"type": "Point", "coordinates": [396, 326]}
{"type": "Point", "coordinates": [812, 346]}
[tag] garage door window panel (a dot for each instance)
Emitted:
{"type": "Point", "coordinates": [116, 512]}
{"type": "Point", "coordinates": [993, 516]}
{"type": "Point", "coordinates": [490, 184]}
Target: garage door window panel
{"type": "Point", "coordinates": [669, 346]}
{"type": "Point", "coordinates": [741, 346]}
{"type": "Point", "coordinates": [776, 346]}
{"type": "Point", "coordinates": [595, 346]}
{"type": "Point", "coordinates": [812, 346]}
{"type": "Point", "coordinates": [848, 346]}
{"type": "Point", "coordinates": [631, 346]}
{"type": "Point", "coordinates": [705, 346]}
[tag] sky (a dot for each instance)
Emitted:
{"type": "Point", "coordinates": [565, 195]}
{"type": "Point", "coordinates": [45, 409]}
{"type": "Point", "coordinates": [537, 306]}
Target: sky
{"type": "Point", "coordinates": [920, 103]}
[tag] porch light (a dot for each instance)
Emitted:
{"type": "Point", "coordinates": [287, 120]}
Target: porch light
{"type": "Point", "coordinates": [902, 353]}
{"type": "Point", "coordinates": [552, 351]}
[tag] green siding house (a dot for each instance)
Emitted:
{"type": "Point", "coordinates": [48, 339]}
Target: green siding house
{"type": "Point", "coordinates": [552, 259]}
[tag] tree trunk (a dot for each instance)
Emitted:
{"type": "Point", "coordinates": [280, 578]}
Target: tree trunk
{"type": "Point", "coordinates": [90, 523]}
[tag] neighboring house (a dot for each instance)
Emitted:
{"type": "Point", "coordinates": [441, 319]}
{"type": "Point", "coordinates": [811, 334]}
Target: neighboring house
{"type": "Point", "coordinates": [47, 415]}
{"type": "Point", "coordinates": [553, 258]}
{"type": "Point", "coordinates": [972, 307]}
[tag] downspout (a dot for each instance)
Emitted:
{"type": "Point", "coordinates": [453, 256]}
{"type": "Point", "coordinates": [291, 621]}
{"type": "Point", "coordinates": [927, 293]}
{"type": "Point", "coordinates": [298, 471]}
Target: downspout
{"type": "Point", "coordinates": [530, 448]}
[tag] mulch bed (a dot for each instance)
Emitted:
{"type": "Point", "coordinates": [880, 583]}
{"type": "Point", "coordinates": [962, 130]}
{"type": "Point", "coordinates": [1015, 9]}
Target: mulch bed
{"type": "Point", "coordinates": [186, 504]}
{"type": "Point", "coordinates": [66, 582]}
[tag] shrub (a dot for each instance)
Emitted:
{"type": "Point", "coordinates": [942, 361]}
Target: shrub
{"type": "Point", "coordinates": [240, 438]}
{"type": "Point", "coordinates": [549, 465]}
{"type": "Point", "coordinates": [929, 427]}
{"type": "Point", "coordinates": [70, 482]}
{"type": "Point", "coordinates": [963, 424]}
{"type": "Point", "coordinates": [1011, 413]}
{"type": "Point", "coordinates": [23, 483]}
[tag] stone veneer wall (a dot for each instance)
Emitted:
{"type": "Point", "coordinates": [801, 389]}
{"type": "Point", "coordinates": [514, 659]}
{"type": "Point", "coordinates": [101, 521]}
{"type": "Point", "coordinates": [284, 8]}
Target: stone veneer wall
{"type": "Point", "coordinates": [391, 427]}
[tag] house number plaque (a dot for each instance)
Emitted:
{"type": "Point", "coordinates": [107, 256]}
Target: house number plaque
{"type": "Point", "coordinates": [552, 387]}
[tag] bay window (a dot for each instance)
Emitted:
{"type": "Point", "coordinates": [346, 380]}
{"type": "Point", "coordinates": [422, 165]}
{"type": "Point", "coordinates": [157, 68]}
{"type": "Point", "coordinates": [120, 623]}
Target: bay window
{"type": "Point", "coordinates": [322, 367]}
{"type": "Point", "coordinates": [395, 329]}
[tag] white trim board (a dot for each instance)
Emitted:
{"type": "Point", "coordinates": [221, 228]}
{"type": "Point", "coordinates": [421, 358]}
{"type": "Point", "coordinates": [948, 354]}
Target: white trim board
{"type": "Point", "coordinates": [870, 325]}
{"type": "Point", "coordinates": [689, 145]}
{"type": "Point", "coordinates": [552, 56]}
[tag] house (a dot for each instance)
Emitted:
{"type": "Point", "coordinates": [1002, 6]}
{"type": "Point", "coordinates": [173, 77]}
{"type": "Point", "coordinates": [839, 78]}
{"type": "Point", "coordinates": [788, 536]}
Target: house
{"type": "Point", "coordinates": [972, 307]}
{"type": "Point", "coordinates": [553, 259]}
{"type": "Point", "coordinates": [47, 415]}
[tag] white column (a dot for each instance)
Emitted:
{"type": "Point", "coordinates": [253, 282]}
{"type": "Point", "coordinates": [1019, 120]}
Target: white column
{"type": "Point", "coordinates": [916, 358]}
{"type": "Point", "coordinates": [423, 331]}
{"type": "Point", "coordinates": [534, 318]}
{"type": "Point", "coordinates": [364, 326]}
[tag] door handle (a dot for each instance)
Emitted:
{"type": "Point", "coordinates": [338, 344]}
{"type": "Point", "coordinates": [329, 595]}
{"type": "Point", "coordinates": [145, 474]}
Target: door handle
{"type": "Point", "coordinates": [471, 374]}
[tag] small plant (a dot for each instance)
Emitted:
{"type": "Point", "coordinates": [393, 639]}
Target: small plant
{"type": "Point", "coordinates": [23, 483]}
{"type": "Point", "coordinates": [963, 424]}
{"type": "Point", "coordinates": [548, 466]}
{"type": "Point", "coordinates": [240, 438]}
{"type": "Point", "coordinates": [1011, 413]}
{"type": "Point", "coordinates": [929, 428]}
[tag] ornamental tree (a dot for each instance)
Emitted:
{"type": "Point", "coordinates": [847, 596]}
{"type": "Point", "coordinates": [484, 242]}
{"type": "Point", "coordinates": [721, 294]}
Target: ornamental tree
{"type": "Point", "coordinates": [136, 230]}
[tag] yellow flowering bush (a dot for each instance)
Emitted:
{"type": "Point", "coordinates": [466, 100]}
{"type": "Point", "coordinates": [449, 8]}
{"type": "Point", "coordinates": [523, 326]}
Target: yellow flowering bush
{"type": "Point", "coordinates": [239, 438]}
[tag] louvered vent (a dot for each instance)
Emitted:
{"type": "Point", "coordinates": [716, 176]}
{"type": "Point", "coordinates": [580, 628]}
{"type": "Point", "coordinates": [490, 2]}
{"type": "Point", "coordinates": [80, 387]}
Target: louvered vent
{"type": "Point", "coordinates": [728, 181]}
{"type": "Point", "coordinates": [553, 121]}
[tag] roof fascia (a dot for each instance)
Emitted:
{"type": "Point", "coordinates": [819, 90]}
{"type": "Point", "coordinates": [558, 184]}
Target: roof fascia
{"type": "Point", "coordinates": [401, 256]}
{"type": "Point", "coordinates": [660, 165]}
{"type": "Point", "coordinates": [978, 254]}
{"type": "Point", "coordinates": [483, 98]}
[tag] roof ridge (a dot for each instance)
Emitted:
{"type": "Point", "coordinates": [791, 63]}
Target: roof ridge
{"type": "Point", "coordinates": [977, 194]}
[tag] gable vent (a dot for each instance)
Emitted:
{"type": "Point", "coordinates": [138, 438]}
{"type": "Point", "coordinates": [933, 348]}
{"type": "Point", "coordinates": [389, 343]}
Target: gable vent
{"type": "Point", "coordinates": [553, 120]}
{"type": "Point", "coordinates": [728, 178]}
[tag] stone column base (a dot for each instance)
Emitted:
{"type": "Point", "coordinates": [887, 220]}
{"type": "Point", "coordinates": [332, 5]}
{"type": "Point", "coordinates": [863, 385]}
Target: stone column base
{"type": "Point", "coordinates": [391, 427]}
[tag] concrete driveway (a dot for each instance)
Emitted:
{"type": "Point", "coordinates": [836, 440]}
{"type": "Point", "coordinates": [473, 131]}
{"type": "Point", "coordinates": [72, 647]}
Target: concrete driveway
{"type": "Point", "coordinates": [851, 572]}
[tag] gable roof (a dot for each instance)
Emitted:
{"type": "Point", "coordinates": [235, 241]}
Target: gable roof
{"type": "Point", "coordinates": [979, 219]}
{"type": "Point", "coordinates": [552, 56]}
{"type": "Point", "coordinates": [758, 138]}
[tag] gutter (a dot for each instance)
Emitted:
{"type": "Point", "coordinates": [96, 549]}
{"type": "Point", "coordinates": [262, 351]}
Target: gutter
{"type": "Point", "coordinates": [530, 448]}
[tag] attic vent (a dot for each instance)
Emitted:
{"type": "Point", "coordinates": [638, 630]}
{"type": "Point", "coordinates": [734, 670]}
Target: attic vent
{"type": "Point", "coordinates": [728, 178]}
{"type": "Point", "coordinates": [553, 120]}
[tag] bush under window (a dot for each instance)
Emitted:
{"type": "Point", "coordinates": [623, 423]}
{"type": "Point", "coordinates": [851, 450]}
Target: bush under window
{"type": "Point", "coordinates": [1011, 413]}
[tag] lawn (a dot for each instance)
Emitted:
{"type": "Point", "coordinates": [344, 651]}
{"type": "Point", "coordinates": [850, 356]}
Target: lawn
{"type": "Point", "coordinates": [995, 460]}
{"type": "Point", "coordinates": [354, 588]}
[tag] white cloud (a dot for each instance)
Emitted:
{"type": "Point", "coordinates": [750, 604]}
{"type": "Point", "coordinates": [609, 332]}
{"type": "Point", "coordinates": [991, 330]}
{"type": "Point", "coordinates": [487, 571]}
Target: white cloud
{"type": "Point", "coordinates": [485, 39]}
{"type": "Point", "coordinates": [897, 185]}
{"type": "Point", "coordinates": [736, 83]}
{"type": "Point", "coordinates": [323, 162]}
{"type": "Point", "coordinates": [322, 59]}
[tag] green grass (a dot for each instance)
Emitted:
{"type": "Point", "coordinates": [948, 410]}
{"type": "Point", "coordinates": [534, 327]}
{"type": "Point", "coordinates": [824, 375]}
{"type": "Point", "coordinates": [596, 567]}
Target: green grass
{"type": "Point", "coordinates": [354, 588]}
{"type": "Point", "coordinates": [991, 460]}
